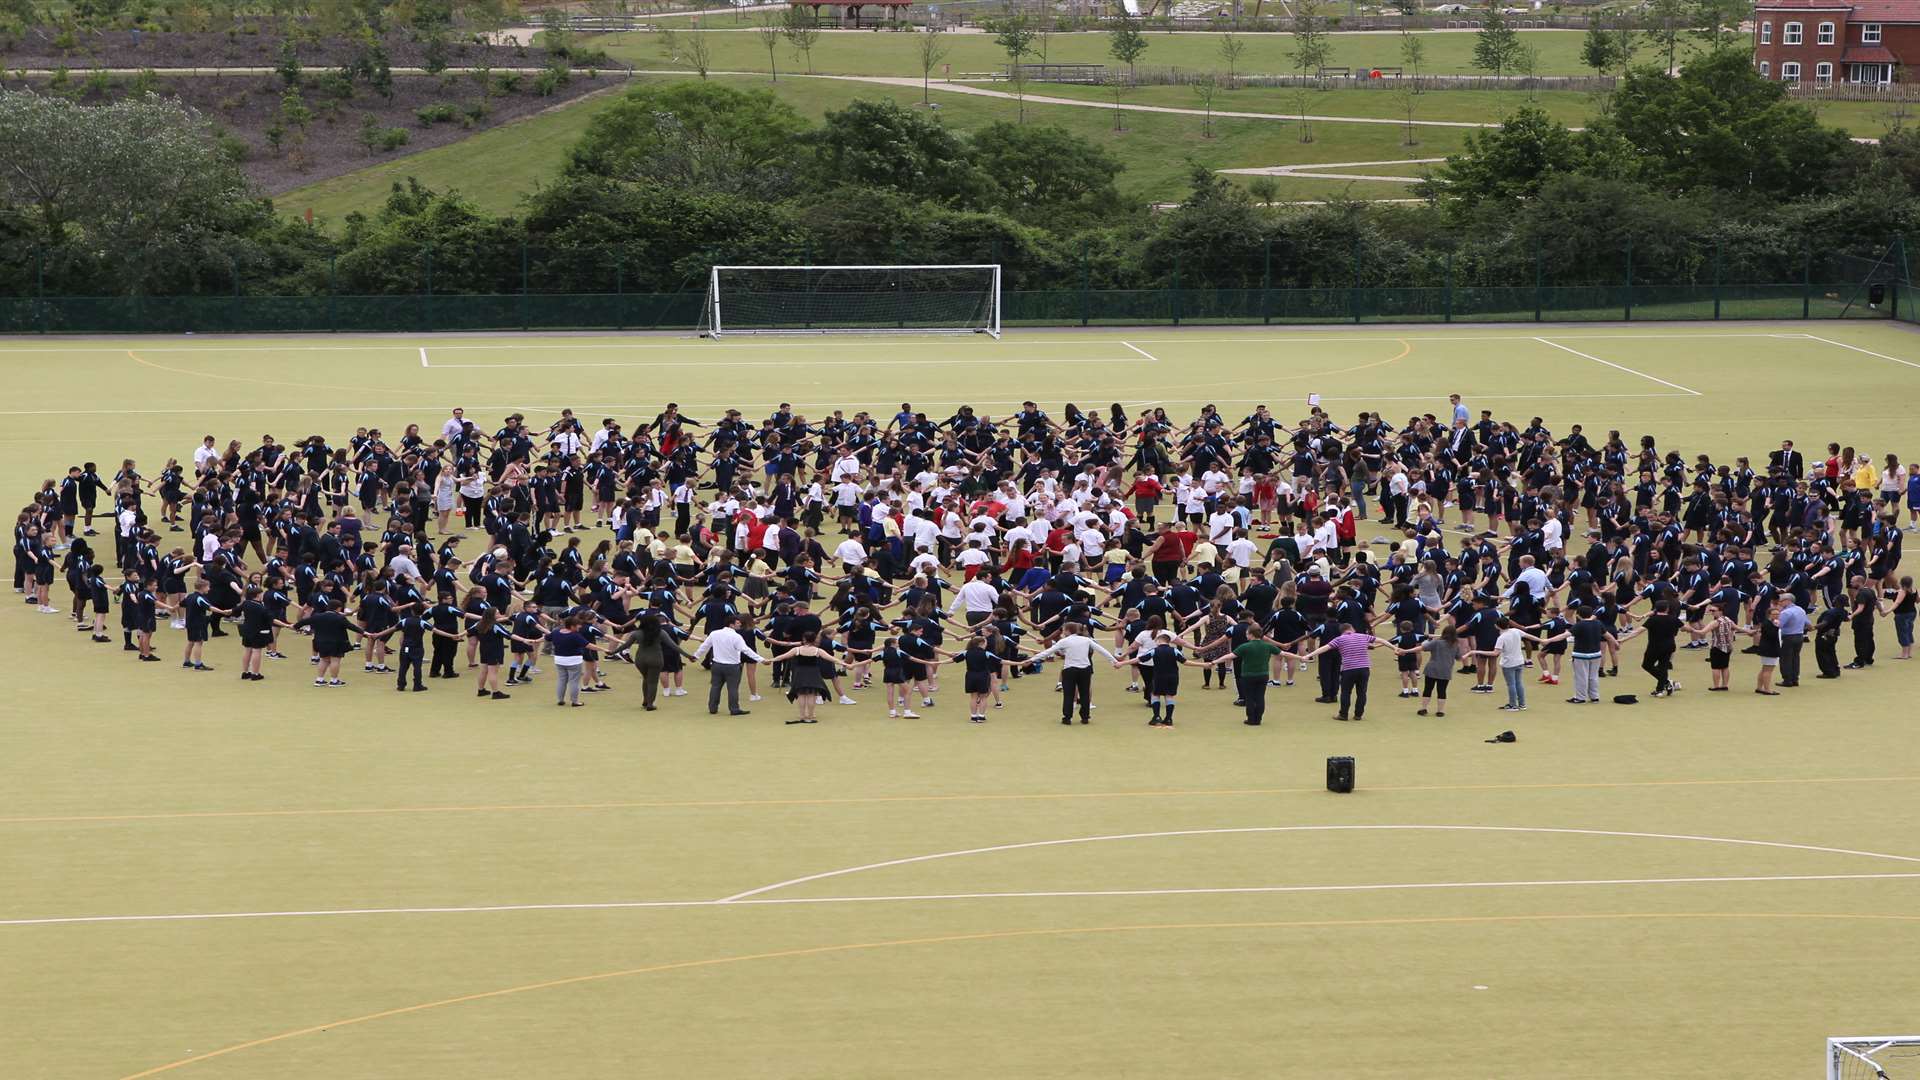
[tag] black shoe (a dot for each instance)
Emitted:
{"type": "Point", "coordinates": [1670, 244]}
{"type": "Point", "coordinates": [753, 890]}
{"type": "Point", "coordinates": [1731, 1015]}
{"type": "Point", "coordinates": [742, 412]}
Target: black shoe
{"type": "Point", "coordinates": [1855, 666]}
{"type": "Point", "coordinates": [1251, 723]}
{"type": "Point", "coordinates": [417, 687]}
{"type": "Point", "coordinates": [129, 647]}
{"type": "Point", "coordinates": [498, 696]}
{"type": "Point", "coordinates": [1339, 716]}
{"type": "Point", "coordinates": [1086, 720]}
{"type": "Point", "coordinates": [1795, 682]}
{"type": "Point", "coordinates": [1064, 722]}
{"type": "Point", "coordinates": [1826, 676]}
{"type": "Point", "coordinates": [740, 712]}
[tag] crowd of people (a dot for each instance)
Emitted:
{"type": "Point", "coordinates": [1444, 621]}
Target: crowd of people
{"type": "Point", "coordinates": [824, 553]}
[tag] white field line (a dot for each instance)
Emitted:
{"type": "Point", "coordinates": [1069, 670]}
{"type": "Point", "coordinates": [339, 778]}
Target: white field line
{"type": "Point", "coordinates": [1305, 828]}
{"type": "Point", "coordinates": [1332, 335]}
{"type": "Point", "coordinates": [840, 403]}
{"type": "Point", "coordinates": [1141, 351]}
{"type": "Point", "coordinates": [1051, 894]}
{"type": "Point", "coordinates": [1858, 349]}
{"type": "Point", "coordinates": [423, 356]}
{"type": "Point", "coordinates": [969, 361]}
{"type": "Point", "coordinates": [1618, 367]}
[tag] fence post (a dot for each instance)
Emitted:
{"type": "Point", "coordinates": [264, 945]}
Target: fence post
{"type": "Point", "coordinates": [1629, 279]}
{"type": "Point", "coordinates": [427, 303]}
{"type": "Point", "coordinates": [1899, 274]}
{"type": "Point", "coordinates": [1806, 283]}
{"type": "Point", "coordinates": [333, 323]}
{"type": "Point", "coordinates": [40, 288]}
{"type": "Point", "coordinates": [1716, 280]}
{"type": "Point", "coordinates": [1266, 282]}
{"type": "Point", "coordinates": [1353, 297]}
{"type": "Point", "coordinates": [525, 324]}
{"type": "Point", "coordinates": [619, 291]}
{"type": "Point", "coordinates": [1086, 284]}
{"type": "Point", "coordinates": [1176, 290]}
{"type": "Point", "coordinates": [1538, 276]}
{"type": "Point", "coordinates": [1446, 288]}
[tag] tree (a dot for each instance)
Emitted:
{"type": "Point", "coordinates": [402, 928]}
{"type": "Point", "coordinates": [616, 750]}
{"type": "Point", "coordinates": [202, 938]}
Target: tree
{"type": "Point", "coordinates": [1599, 50]}
{"type": "Point", "coordinates": [933, 50]}
{"type": "Point", "coordinates": [1720, 126]}
{"type": "Point", "coordinates": [694, 135]}
{"type": "Point", "coordinates": [1717, 22]}
{"type": "Point", "coordinates": [1264, 189]}
{"type": "Point", "coordinates": [802, 32]}
{"type": "Point", "coordinates": [699, 52]}
{"type": "Point", "coordinates": [1302, 99]}
{"type": "Point", "coordinates": [1526, 61]}
{"type": "Point", "coordinates": [769, 34]}
{"type": "Point", "coordinates": [1413, 51]}
{"type": "Point", "coordinates": [1205, 90]}
{"type": "Point", "coordinates": [1666, 24]}
{"type": "Point", "coordinates": [879, 144]}
{"type": "Point", "coordinates": [1626, 44]}
{"type": "Point", "coordinates": [1311, 46]}
{"type": "Point", "coordinates": [1119, 85]}
{"type": "Point", "coordinates": [1406, 95]}
{"type": "Point", "coordinates": [1013, 32]}
{"type": "Point", "coordinates": [1231, 47]}
{"type": "Point", "coordinates": [140, 181]}
{"type": "Point", "coordinates": [1043, 173]}
{"type": "Point", "coordinates": [1126, 43]}
{"type": "Point", "coordinates": [289, 66]}
{"type": "Point", "coordinates": [1496, 46]}
{"type": "Point", "coordinates": [1512, 162]}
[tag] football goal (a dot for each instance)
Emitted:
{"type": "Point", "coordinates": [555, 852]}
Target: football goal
{"type": "Point", "coordinates": [852, 300]}
{"type": "Point", "coordinates": [1874, 1057]}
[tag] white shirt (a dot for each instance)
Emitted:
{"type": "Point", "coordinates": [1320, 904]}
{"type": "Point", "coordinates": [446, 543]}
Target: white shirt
{"type": "Point", "coordinates": [1241, 551]}
{"type": "Point", "coordinates": [453, 426]}
{"type": "Point", "coordinates": [1220, 526]}
{"type": "Point", "coordinates": [976, 596]}
{"type": "Point", "coordinates": [1512, 651]}
{"type": "Point", "coordinates": [1074, 651]}
{"type": "Point", "coordinates": [202, 455]}
{"type": "Point", "coordinates": [1536, 582]}
{"type": "Point", "coordinates": [209, 546]}
{"type": "Point", "coordinates": [405, 566]}
{"type": "Point", "coordinates": [1550, 535]}
{"type": "Point", "coordinates": [851, 552]}
{"type": "Point", "coordinates": [726, 646]}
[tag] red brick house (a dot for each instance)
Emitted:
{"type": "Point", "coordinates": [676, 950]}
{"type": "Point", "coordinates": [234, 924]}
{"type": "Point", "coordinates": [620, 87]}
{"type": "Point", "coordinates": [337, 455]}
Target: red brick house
{"type": "Point", "coordinates": [1821, 42]}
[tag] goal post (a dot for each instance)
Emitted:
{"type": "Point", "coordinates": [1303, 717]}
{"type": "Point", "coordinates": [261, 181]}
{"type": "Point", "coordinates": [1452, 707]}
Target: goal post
{"type": "Point", "coordinates": [1874, 1057]}
{"type": "Point", "coordinates": [903, 299]}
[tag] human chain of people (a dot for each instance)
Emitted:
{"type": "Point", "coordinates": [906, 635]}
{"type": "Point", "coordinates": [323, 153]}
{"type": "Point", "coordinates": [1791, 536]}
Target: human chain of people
{"type": "Point", "coordinates": [1259, 551]}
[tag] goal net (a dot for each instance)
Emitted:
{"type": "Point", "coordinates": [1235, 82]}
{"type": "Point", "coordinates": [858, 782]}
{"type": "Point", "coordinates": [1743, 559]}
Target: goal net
{"type": "Point", "coordinates": [852, 300]}
{"type": "Point", "coordinates": [1874, 1057]}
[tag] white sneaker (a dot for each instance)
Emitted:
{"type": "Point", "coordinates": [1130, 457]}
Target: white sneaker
{"type": "Point", "coordinates": [845, 700]}
{"type": "Point", "coordinates": [893, 712]}
{"type": "Point", "coordinates": [927, 702]}
{"type": "Point", "coordinates": [753, 697]}
{"type": "Point", "coordinates": [910, 715]}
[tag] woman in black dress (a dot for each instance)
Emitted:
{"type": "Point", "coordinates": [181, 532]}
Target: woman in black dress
{"type": "Point", "coordinates": [808, 668]}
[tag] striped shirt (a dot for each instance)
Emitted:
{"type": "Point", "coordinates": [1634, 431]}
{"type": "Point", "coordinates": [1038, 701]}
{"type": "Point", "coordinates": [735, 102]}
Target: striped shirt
{"type": "Point", "coordinates": [1353, 651]}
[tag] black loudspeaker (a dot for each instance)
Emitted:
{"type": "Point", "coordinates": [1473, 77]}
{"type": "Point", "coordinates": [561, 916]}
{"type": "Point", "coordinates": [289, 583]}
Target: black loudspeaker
{"type": "Point", "coordinates": [1340, 774]}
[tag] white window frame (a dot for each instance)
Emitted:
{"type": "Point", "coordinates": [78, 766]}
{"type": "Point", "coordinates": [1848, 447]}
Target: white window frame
{"type": "Point", "coordinates": [1766, 70]}
{"type": "Point", "coordinates": [1790, 72]}
{"type": "Point", "coordinates": [1870, 33]}
{"type": "Point", "coordinates": [1791, 33]}
{"type": "Point", "coordinates": [1766, 33]}
{"type": "Point", "coordinates": [1823, 74]}
{"type": "Point", "coordinates": [1824, 34]}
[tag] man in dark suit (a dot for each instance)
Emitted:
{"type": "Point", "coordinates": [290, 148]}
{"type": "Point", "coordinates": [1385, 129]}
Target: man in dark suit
{"type": "Point", "coordinates": [1461, 441]}
{"type": "Point", "coordinates": [1787, 460]}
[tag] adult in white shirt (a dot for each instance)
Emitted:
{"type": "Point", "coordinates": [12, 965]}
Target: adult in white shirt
{"type": "Point", "coordinates": [1075, 650]}
{"type": "Point", "coordinates": [851, 553]}
{"type": "Point", "coordinates": [455, 424]}
{"type": "Point", "coordinates": [203, 454]}
{"type": "Point", "coordinates": [845, 467]}
{"type": "Point", "coordinates": [974, 557]}
{"type": "Point", "coordinates": [727, 649]}
{"type": "Point", "coordinates": [403, 564]}
{"type": "Point", "coordinates": [1533, 578]}
{"type": "Point", "coordinates": [1551, 538]}
{"type": "Point", "coordinates": [977, 598]}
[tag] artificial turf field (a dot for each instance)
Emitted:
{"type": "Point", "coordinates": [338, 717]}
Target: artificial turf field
{"type": "Point", "coordinates": [201, 878]}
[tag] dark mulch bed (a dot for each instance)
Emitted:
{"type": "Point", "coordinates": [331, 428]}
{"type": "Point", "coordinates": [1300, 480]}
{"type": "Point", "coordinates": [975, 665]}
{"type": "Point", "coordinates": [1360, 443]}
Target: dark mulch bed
{"type": "Point", "coordinates": [245, 106]}
{"type": "Point", "coordinates": [255, 46]}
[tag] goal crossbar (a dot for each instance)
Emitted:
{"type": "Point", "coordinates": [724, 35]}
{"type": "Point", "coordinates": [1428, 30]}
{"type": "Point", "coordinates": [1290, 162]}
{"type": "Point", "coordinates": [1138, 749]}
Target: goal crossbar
{"type": "Point", "coordinates": [944, 298]}
{"type": "Point", "coordinates": [1867, 1056]}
